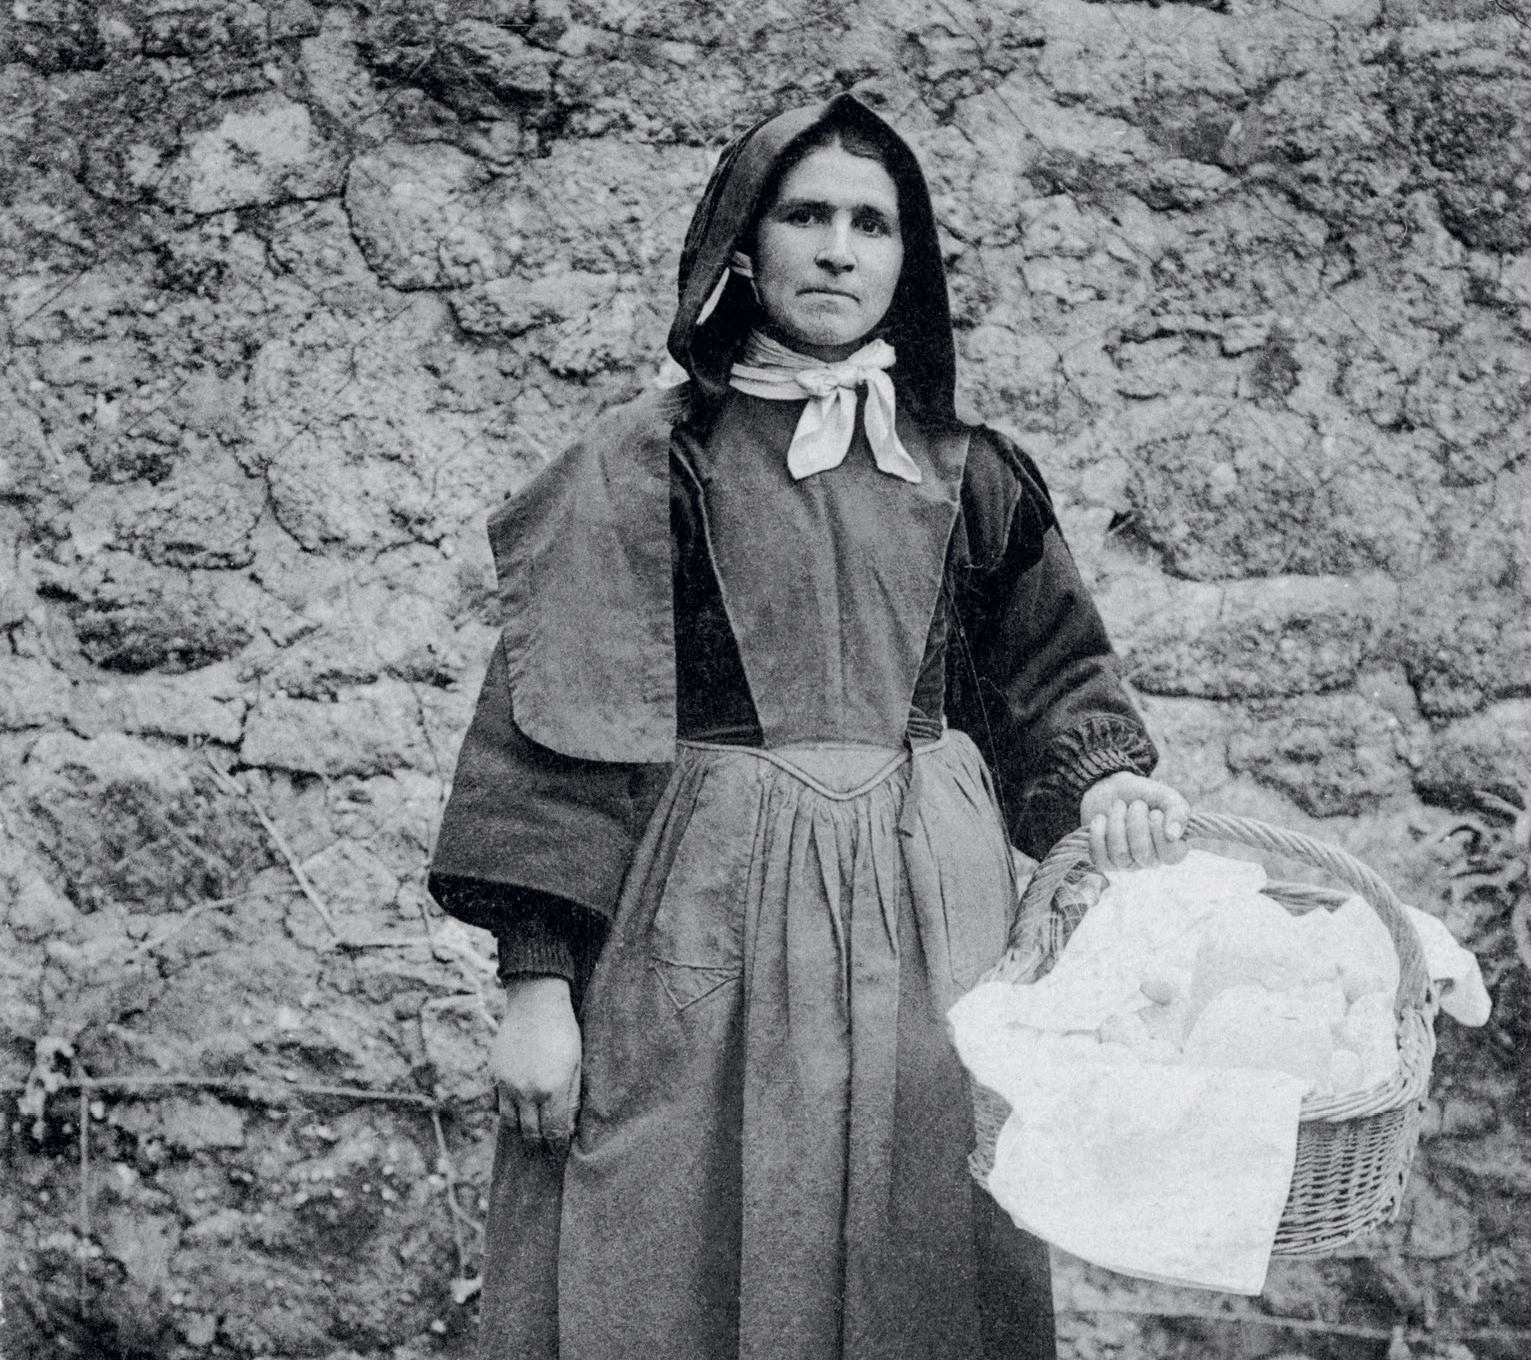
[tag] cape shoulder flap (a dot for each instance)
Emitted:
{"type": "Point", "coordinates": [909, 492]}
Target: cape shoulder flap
{"type": "Point", "coordinates": [582, 553]}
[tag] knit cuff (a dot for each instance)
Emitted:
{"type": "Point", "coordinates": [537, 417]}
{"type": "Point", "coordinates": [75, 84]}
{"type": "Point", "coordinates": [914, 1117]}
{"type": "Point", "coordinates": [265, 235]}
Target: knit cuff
{"type": "Point", "coordinates": [530, 946]}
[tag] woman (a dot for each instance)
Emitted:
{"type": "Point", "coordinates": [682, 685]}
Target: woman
{"type": "Point", "coordinates": [791, 654]}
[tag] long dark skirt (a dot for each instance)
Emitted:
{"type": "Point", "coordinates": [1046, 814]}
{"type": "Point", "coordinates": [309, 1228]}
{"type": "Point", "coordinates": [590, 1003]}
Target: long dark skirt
{"type": "Point", "coordinates": [771, 1153]}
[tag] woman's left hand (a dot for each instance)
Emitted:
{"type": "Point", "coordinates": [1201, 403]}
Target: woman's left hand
{"type": "Point", "coordinates": [1134, 822]}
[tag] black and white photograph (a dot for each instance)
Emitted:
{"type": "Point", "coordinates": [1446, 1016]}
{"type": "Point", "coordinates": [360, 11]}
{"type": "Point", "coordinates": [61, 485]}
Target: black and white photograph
{"type": "Point", "coordinates": [774, 681]}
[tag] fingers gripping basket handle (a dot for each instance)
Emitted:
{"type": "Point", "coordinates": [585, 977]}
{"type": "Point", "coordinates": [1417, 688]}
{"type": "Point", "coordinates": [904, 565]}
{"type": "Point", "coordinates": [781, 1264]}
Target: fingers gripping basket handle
{"type": "Point", "coordinates": [1030, 931]}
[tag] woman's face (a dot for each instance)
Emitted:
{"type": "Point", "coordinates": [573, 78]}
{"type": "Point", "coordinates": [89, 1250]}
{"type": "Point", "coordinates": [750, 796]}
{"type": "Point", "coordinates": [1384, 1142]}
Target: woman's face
{"type": "Point", "coordinates": [828, 253]}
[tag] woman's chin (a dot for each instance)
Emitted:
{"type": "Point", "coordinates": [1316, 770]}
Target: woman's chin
{"type": "Point", "coordinates": [830, 343]}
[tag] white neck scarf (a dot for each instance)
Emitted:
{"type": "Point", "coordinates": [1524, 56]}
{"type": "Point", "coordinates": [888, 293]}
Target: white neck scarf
{"type": "Point", "coordinates": [828, 423]}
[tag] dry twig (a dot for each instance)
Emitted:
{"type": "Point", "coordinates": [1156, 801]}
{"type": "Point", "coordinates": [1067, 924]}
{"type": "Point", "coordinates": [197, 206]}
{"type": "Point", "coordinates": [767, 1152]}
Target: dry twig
{"type": "Point", "coordinates": [183, 920]}
{"type": "Point", "coordinates": [266, 1092]}
{"type": "Point", "coordinates": [1520, 927]}
{"type": "Point", "coordinates": [459, 1217]}
{"type": "Point", "coordinates": [1359, 1331]}
{"type": "Point", "coordinates": [228, 782]}
{"type": "Point", "coordinates": [84, 1225]}
{"type": "Point", "coordinates": [1504, 8]}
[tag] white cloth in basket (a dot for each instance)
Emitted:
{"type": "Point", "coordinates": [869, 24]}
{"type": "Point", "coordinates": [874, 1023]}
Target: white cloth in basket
{"type": "Point", "coordinates": [1164, 1172]}
{"type": "Point", "coordinates": [1453, 969]}
{"type": "Point", "coordinates": [1177, 1174]}
{"type": "Point", "coordinates": [1120, 1147]}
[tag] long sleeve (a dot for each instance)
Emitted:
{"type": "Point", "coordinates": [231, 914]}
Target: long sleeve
{"type": "Point", "coordinates": [538, 934]}
{"type": "Point", "coordinates": [1033, 678]}
{"type": "Point", "coordinates": [533, 844]}
{"type": "Point", "coordinates": [545, 899]}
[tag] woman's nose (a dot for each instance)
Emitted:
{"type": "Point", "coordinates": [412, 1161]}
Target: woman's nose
{"type": "Point", "coordinates": [835, 249]}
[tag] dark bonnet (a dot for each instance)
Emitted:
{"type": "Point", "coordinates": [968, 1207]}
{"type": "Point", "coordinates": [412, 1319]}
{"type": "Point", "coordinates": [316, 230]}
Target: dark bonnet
{"type": "Point", "coordinates": [918, 324]}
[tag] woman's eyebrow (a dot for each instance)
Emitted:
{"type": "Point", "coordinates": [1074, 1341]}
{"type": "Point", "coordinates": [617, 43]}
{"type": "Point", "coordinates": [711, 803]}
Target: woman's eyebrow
{"type": "Point", "coordinates": [802, 201]}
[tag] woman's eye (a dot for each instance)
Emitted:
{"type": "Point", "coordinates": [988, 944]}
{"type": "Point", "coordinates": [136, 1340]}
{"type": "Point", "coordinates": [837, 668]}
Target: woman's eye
{"type": "Point", "coordinates": [872, 224]}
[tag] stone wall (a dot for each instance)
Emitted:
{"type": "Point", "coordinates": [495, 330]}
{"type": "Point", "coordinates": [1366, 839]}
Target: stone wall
{"type": "Point", "coordinates": [293, 292]}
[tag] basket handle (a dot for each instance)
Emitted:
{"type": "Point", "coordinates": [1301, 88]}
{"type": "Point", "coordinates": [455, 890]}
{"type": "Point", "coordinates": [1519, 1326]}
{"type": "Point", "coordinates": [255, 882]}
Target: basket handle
{"type": "Point", "coordinates": [1074, 849]}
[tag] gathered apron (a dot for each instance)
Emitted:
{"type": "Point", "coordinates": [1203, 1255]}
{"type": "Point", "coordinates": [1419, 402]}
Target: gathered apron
{"type": "Point", "coordinates": [771, 1156]}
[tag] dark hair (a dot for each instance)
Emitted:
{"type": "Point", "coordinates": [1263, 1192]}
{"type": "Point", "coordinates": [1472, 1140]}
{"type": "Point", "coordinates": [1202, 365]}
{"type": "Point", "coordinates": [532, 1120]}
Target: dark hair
{"type": "Point", "coordinates": [853, 140]}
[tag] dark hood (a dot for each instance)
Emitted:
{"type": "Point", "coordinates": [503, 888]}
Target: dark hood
{"type": "Point", "coordinates": [918, 324]}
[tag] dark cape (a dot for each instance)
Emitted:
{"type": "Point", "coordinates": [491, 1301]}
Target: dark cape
{"type": "Point", "coordinates": [635, 617]}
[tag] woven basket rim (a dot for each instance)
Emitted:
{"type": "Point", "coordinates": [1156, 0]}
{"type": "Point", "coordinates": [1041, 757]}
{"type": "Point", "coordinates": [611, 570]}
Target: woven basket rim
{"type": "Point", "coordinates": [1204, 827]}
{"type": "Point", "coordinates": [1414, 1003]}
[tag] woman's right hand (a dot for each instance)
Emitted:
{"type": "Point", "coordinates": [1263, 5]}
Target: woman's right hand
{"type": "Point", "coordinates": [535, 1059]}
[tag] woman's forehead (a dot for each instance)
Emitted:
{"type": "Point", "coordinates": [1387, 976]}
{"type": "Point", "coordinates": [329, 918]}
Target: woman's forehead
{"type": "Point", "coordinates": [831, 174]}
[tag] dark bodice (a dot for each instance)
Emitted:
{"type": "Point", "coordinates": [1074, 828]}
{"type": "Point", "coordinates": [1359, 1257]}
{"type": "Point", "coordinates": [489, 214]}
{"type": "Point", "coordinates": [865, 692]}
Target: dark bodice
{"type": "Point", "coordinates": [808, 610]}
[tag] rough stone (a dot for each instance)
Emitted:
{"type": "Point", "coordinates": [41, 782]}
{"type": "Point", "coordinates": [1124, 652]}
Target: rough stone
{"type": "Point", "coordinates": [351, 878]}
{"type": "Point", "coordinates": [264, 150]}
{"type": "Point", "coordinates": [404, 201]}
{"type": "Point", "coordinates": [34, 910]}
{"type": "Point", "coordinates": [313, 245]}
{"type": "Point", "coordinates": [1239, 491]}
{"type": "Point", "coordinates": [223, 1226]}
{"type": "Point", "coordinates": [512, 306]}
{"type": "Point", "coordinates": [482, 57]}
{"type": "Point", "coordinates": [206, 524]}
{"type": "Point", "coordinates": [192, 1123]}
{"type": "Point", "coordinates": [1474, 393]}
{"type": "Point", "coordinates": [1471, 125]}
{"type": "Point", "coordinates": [206, 705]}
{"type": "Point", "coordinates": [337, 79]}
{"type": "Point", "coordinates": [401, 466]}
{"type": "Point", "coordinates": [1438, 1226]}
{"type": "Point", "coordinates": [1496, 1162]}
{"type": "Point", "coordinates": [32, 694]}
{"type": "Point", "coordinates": [380, 505]}
{"type": "Point", "coordinates": [368, 732]}
{"type": "Point", "coordinates": [178, 631]}
{"type": "Point", "coordinates": [1488, 752]}
{"type": "Point", "coordinates": [1260, 639]}
{"type": "Point", "coordinates": [1192, 737]}
{"type": "Point", "coordinates": [451, 1028]}
{"type": "Point", "coordinates": [1334, 755]}
{"type": "Point", "coordinates": [1465, 631]}
{"type": "Point", "coordinates": [122, 820]}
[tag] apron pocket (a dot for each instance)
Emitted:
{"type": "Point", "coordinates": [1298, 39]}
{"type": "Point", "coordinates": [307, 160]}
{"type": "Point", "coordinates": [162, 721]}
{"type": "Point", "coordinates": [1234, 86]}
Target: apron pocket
{"type": "Point", "coordinates": [687, 983]}
{"type": "Point", "coordinates": [696, 940]}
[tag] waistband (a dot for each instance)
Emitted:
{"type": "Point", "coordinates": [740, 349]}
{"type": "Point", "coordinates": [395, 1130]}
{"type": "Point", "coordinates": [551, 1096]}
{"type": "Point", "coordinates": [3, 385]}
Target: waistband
{"type": "Point", "coordinates": [840, 771]}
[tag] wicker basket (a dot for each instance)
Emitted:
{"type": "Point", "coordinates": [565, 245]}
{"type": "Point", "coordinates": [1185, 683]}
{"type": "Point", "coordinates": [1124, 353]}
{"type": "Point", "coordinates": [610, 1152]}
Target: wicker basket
{"type": "Point", "coordinates": [1354, 1150]}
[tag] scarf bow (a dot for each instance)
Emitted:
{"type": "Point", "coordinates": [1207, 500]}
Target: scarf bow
{"type": "Point", "coordinates": [828, 423]}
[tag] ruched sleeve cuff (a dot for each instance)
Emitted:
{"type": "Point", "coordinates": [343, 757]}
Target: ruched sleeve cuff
{"type": "Point", "coordinates": [1084, 755]}
{"type": "Point", "coordinates": [531, 947]}
{"type": "Point", "coordinates": [1073, 760]}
